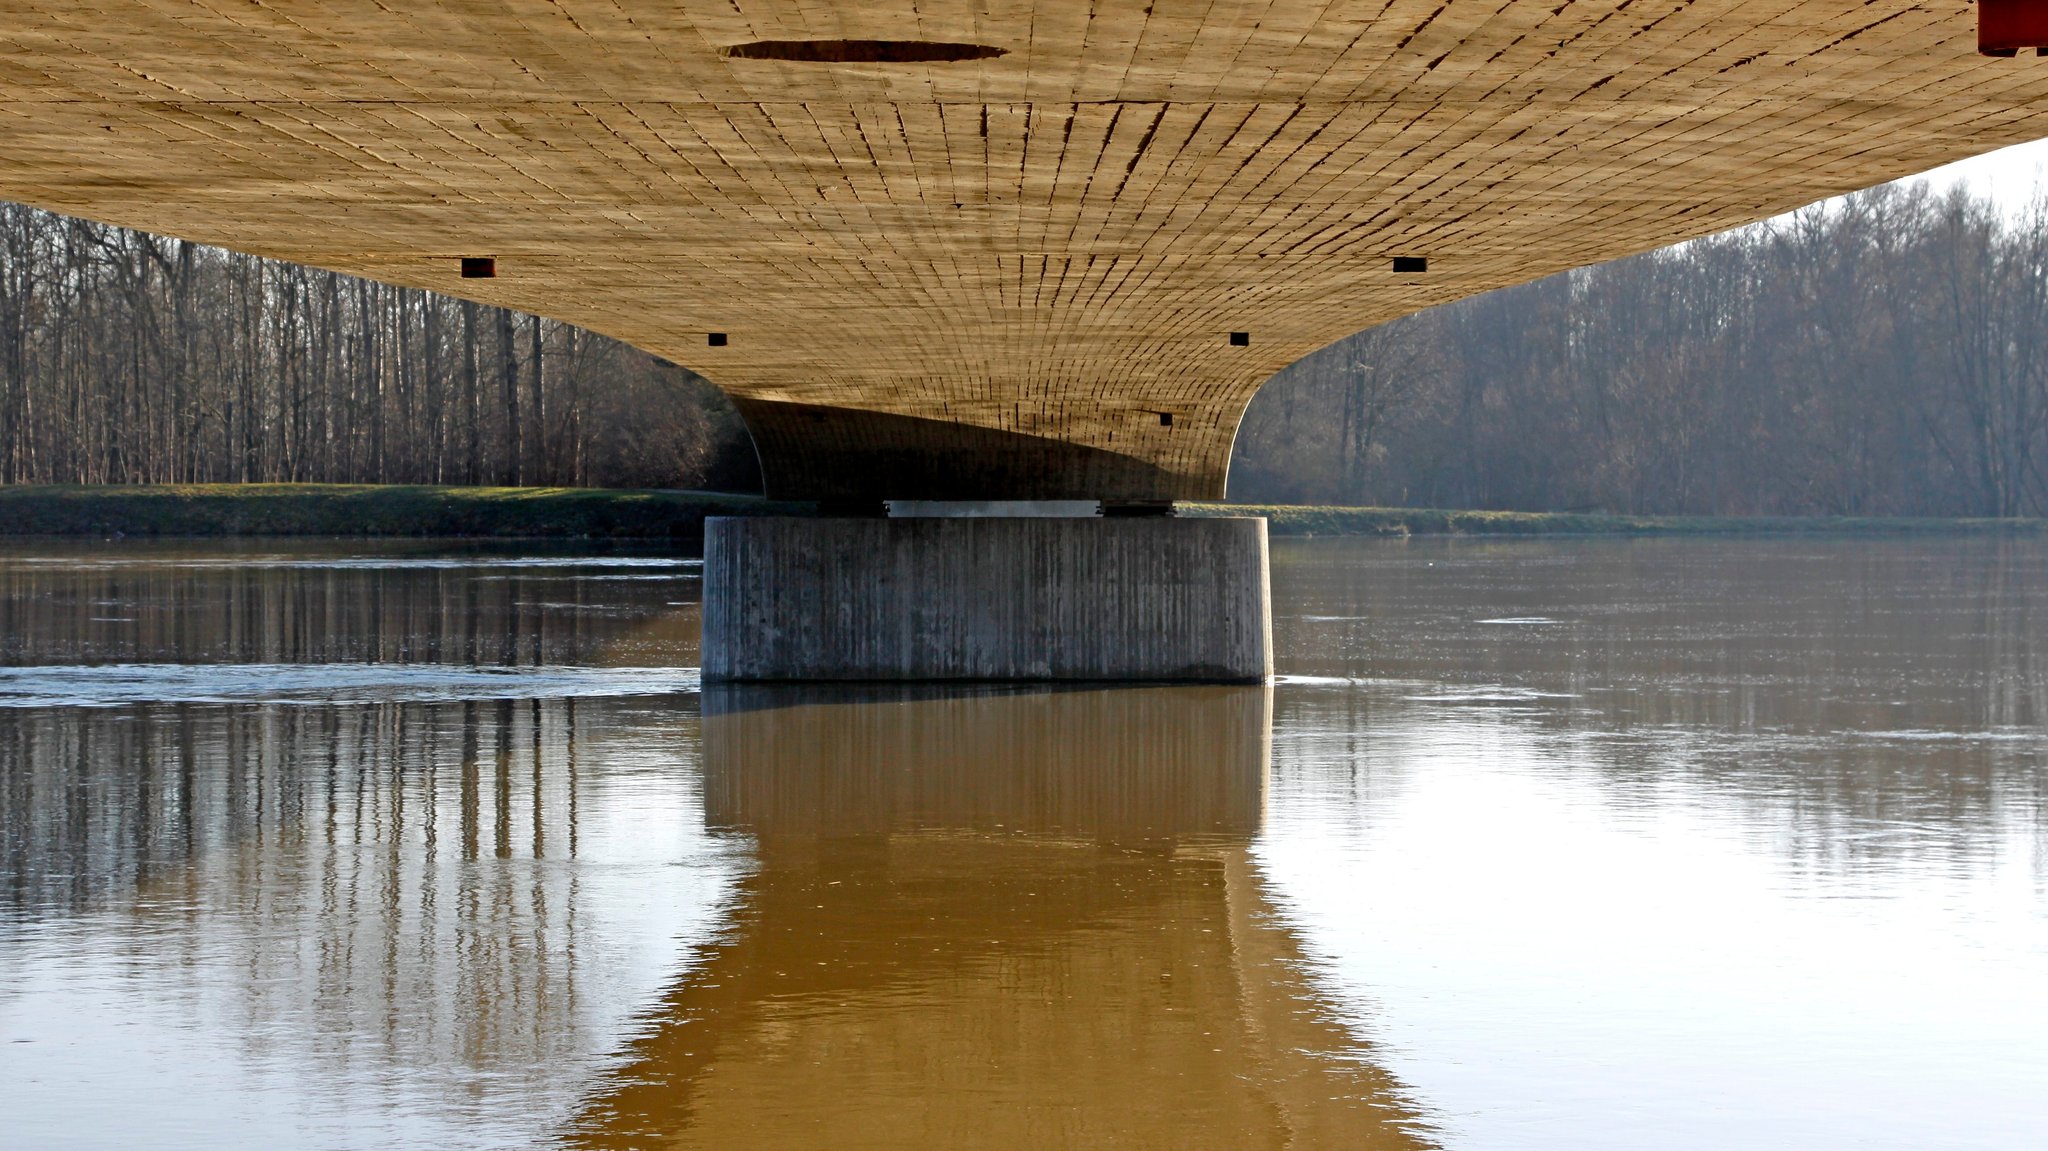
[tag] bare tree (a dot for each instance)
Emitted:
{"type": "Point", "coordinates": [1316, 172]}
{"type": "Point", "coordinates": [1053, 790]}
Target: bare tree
{"type": "Point", "coordinates": [126, 357]}
{"type": "Point", "coordinates": [1883, 354]}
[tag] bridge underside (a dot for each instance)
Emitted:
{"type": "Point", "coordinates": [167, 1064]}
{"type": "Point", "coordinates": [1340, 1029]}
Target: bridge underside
{"type": "Point", "coordinates": [967, 236]}
{"type": "Point", "coordinates": [946, 250]}
{"type": "Point", "coordinates": [850, 456]}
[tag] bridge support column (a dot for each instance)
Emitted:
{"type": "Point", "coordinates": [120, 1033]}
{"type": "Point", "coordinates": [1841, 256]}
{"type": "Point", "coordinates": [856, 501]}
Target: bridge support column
{"type": "Point", "coordinates": [1140, 598]}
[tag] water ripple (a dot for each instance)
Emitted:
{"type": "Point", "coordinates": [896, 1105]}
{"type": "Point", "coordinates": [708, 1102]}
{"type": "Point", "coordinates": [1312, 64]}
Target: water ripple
{"type": "Point", "coordinates": [116, 685]}
{"type": "Point", "coordinates": [355, 563]}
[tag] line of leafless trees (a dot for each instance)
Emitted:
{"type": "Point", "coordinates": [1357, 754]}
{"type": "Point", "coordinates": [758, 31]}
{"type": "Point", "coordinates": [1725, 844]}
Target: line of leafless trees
{"type": "Point", "coordinates": [130, 358]}
{"type": "Point", "coordinates": [1887, 354]}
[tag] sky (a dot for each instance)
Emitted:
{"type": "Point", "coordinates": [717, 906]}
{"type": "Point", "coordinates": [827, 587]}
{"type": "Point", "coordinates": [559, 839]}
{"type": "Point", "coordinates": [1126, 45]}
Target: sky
{"type": "Point", "coordinates": [2009, 175]}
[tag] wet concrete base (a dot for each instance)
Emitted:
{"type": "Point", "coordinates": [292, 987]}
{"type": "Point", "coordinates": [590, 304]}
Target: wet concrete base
{"type": "Point", "coordinates": [1138, 599]}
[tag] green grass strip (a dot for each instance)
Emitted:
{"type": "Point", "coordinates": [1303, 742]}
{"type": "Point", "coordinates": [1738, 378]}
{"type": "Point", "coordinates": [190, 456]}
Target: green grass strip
{"type": "Point", "coordinates": [365, 510]}
{"type": "Point", "coordinates": [426, 511]}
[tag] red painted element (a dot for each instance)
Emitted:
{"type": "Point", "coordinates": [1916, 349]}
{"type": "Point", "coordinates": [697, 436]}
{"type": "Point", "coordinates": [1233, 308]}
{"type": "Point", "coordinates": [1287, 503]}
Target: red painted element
{"type": "Point", "coordinates": [2006, 26]}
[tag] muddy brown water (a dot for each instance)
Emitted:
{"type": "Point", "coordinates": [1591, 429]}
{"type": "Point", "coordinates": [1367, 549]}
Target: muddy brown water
{"type": "Point", "coordinates": [1534, 844]}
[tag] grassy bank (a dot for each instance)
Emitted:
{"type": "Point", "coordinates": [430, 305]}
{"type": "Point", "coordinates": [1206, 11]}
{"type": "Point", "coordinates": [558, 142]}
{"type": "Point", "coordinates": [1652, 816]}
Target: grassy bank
{"type": "Point", "coordinates": [402, 510]}
{"type": "Point", "coordinates": [364, 510]}
{"type": "Point", "coordinates": [1284, 520]}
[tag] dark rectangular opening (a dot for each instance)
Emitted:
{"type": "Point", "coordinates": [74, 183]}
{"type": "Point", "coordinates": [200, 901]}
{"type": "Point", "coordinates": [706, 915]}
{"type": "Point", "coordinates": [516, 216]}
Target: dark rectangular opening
{"type": "Point", "coordinates": [1240, 339]}
{"type": "Point", "coordinates": [1166, 419]}
{"type": "Point", "coordinates": [1140, 508]}
{"type": "Point", "coordinates": [1410, 264]}
{"type": "Point", "coordinates": [716, 339]}
{"type": "Point", "coordinates": [479, 267]}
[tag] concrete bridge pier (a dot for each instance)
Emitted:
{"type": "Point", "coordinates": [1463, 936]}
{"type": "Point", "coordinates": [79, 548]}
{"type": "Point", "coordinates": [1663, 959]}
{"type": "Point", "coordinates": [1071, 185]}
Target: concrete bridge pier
{"type": "Point", "coordinates": [925, 596]}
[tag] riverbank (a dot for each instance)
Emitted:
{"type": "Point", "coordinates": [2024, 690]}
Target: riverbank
{"type": "Point", "coordinates": [1290, 520]}
{"type": "Point", "coordinates": [426, 511]}
{"type": "Point", "coordinates": [367, 510]}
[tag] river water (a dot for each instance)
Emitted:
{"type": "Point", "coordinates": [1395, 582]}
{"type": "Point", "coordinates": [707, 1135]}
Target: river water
{"type": "Point", "coordinates": [1542, 844]}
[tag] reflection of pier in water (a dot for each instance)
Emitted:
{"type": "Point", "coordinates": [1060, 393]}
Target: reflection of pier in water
{"type": "Point", "coordinates": [1000, 919]}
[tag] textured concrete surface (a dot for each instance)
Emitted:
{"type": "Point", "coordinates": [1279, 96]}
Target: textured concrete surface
{"type": "Point", "coordinates": [986, 599]}
{"type": "Point", "coordinates": [1051, 245]}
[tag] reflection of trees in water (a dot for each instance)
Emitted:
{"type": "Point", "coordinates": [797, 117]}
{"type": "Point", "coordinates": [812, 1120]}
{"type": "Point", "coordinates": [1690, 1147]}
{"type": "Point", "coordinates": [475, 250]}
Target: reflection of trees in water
{"type": "Point", "coordinates": [1836, 804]}
{"type": "Point", "coordinates": [200, 603]}
{"type": "Point", "coordinates": [996, 919]}
{"type": "Point", "coordinates": [1862, 706]}
{"type": "Point", "coordinates": [378, 882]}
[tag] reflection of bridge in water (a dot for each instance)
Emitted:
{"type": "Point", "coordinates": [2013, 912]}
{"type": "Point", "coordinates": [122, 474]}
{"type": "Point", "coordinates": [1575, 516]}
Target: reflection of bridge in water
{"type": "Point", "coordinates": [996, 920]}
{"type": "Point", "coordinates": [950, 918]}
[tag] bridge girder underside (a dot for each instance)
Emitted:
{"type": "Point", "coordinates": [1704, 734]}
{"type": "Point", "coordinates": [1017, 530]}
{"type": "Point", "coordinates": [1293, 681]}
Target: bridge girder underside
{"type": "Point", "coordinates": [968, 274]}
